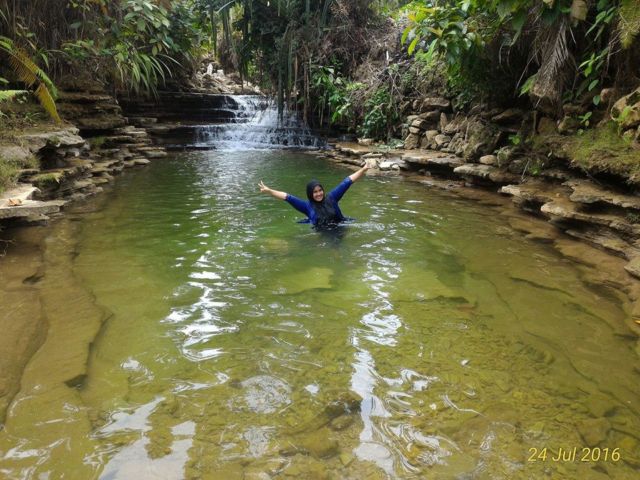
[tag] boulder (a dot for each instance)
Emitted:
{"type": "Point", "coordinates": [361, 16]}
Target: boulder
{"type": "Point", "coordinates": [432, 158]}
{"type": "Point", "coordinates": [395, 165]}
{"type": "Point", "coordinates": [509, 117]}
{"type": "Point", "coordinates": [442, 140]}
{"type": "Point", "coordinates": [482, 139]}
{"type": "Point", "coordinates": [420, 124]}
{"type": "Point", "coordinates": [489, 160]}
{"type": "Point", "coordinates": [431, 103]}
{"type": "Point", "coordinates": [626, 111]}
{"type": "Point", "coordinates": [457, 144]}
{"type": "Point", "coordinates": [458, 124]}
{"type": "Point", "coordinates": [505, 155]}
{"type": "Point", "coordinates": [412, 141]}
{"type": "Point", "coordinates": [432, 117]}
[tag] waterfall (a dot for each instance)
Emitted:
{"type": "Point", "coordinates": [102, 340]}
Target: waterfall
{"type": "Point", "coordinates": [254, 123]}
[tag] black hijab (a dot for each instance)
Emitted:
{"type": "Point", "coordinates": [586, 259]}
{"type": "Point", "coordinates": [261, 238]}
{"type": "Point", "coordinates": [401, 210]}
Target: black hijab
{"type": "Point", "coordinates": [325, 210]}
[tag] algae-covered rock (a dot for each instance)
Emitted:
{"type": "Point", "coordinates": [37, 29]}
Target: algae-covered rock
{"type": "Point", "coordinates": [345, 402]}
{"type": "Point", "coordinates": [315, 278]}
{"type": "Point", "coordinates": [594, 430]}
{"type": "Point", "coordinates": [319, 444]}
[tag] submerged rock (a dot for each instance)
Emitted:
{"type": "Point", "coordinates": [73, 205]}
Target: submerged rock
{"type": "Point", "coordinates": [315, 278]}
{"type": "Point", "coordinates": [594, 430]}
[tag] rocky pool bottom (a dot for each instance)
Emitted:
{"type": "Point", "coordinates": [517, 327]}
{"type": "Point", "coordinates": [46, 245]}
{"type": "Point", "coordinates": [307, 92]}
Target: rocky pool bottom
{"type": "Point", "coordinates": [194, 330]}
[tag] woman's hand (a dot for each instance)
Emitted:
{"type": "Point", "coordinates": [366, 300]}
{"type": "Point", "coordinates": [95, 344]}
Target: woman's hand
{"type": "Point", "coordinates": [273, 193]}
{"type": "Point", "coordinates": [263, 187]}
{"type": "Point", "coordinates": [356, 176]}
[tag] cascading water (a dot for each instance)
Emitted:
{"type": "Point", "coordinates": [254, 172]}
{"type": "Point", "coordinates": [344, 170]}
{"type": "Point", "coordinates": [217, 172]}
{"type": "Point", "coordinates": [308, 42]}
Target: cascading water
{"type": "Point", "coordinates": [256, 124]}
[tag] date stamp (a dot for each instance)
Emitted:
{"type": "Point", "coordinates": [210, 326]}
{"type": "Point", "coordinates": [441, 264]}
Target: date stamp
{"type": "Point", "coordinates": [574, 454]}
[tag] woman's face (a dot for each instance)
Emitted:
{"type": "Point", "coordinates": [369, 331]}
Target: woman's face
{"type": "Point", "coordinates": [318, 193]}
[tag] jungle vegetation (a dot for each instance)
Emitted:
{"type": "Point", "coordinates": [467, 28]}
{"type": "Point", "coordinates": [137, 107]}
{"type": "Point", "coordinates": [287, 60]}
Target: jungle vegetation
{"type": "Point", "coordinates": [352, 64]}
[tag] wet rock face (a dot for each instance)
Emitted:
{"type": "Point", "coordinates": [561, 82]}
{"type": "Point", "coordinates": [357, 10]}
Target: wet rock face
{"type": "Point", "coordinates": [91, 112]}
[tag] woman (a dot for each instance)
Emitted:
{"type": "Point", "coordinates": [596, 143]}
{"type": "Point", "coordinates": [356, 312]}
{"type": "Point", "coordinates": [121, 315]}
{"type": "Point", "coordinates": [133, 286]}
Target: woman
{"type": "Point", "coordinates": [322, 211]}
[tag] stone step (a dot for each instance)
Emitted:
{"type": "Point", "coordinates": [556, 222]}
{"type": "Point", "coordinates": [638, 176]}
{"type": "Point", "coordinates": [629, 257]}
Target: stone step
{"type": "Point", "coordinates": [563, 209]}
{"type": "Point", "coordinates": [588, 192]}
{"type": "Point", "coordinates": [111, 167]}
{"type": "Point", "coordinates": [108, 152]}
{"type": "Point", "coordinates": [17, 195]}
{"type": "Point", "coordinates": [102, 179]}
{"type": "Point", "coordinates": [153, 152]}
{"type": "Point", "coordinates": [534, 192]}
{"type": "Point", "coordinates": [353, 149]}
{"type": "Point", "coordinates": [30, 208]}
{"type": "Point", "coordinates": [475, 171]}
{"type": "Point", "coordinates": [138, 161]}
{"type": "Point", "coordinates": [143, 121]}
{"type": "Point", "coordinates": [433, 158]}
{"type": "Point", "coordinates": [116, 140]}
{"type": "Point", "coordinates": [81, 185]}
{"type": "Point", "coordinates": [131, 131]}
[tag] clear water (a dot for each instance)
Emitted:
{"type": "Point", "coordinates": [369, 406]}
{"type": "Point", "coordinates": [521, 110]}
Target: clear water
{"type": "Point", "coordinates": [427, 340]}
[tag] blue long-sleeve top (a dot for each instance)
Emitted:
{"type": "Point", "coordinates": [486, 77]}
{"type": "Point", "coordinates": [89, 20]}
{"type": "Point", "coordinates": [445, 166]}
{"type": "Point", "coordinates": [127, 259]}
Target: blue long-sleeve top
{"type": "Point", "coordinates": [333, 197]}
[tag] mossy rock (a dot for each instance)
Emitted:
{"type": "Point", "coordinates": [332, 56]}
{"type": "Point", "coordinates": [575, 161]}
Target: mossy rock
{"type": "Point", "coordinates": [47, 181]}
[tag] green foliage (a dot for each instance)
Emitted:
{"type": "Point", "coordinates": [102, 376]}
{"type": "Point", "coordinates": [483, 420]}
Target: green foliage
{"type": "Point", "coordinates": [31, 75]}
{"type": "Point", "coordinates": [463, 33]}
{"type": "Point", "coordinates": [629, 22]}
{"type": "Point", "coordinates": [380, 115]}
{"type": "Point", "coordinates": [139, 42]}
{"type": "Point", "coordinates": [10, 170]}
{"type": "Point", "coordinates": [6, 95]}
{"type": "Point", "coordinates": [334, 94]}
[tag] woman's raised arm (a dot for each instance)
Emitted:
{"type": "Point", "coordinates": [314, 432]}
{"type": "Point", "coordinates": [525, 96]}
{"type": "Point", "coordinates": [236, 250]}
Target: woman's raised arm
{"type": "Point", "coordinates": [356, 176]}
{"type": "Point", "coordinates": [274, 193]}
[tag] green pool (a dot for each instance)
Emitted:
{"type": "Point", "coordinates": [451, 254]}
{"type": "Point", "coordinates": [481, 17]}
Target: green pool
{"type": "Point", "coordinates": [197, 331]}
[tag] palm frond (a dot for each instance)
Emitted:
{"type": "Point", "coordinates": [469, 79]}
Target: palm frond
{"type": "Point", "coordinates": [555, 58]}
{"type": "Point", "coordinates": [47, 101]}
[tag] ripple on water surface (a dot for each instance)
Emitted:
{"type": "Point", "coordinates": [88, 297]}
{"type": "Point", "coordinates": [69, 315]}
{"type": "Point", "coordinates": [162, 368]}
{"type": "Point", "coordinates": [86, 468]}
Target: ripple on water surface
{"type": "Point", "coordinates": [426, 340]}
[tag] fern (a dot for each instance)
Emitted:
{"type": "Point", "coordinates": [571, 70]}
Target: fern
{"type": "Point", "coordinates": [6, 95]}
{"type": "Point", "coordinates": [31, 75]}
{"type": "Point", "coordinates": [46, 100]}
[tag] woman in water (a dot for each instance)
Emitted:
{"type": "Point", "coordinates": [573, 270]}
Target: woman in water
{"type": "Point", "coordinates": [321, 210]}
